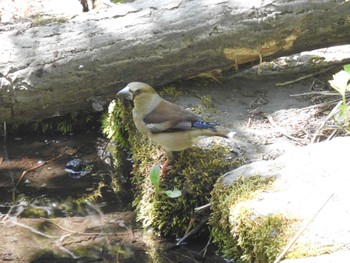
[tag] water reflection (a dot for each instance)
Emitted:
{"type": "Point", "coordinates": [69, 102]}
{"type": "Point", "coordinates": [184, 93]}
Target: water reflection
{"type": "Point", "coordinates": [56, 218]}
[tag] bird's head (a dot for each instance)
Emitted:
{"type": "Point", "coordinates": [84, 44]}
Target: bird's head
{"type": "Point", "coordinates": [142, 94]}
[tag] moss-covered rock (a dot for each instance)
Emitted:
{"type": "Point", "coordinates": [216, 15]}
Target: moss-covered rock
{"type": "Point", "coordinates": [239, 232]}
{"type": "Point", "coordinates": [194, 172]}
{"type": "Point", "coordinates": [114, 128]}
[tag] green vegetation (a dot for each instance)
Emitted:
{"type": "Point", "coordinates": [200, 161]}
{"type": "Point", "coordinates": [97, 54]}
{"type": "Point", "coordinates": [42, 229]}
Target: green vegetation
{"type": "Point", "coordinates": [62, 125]}
{"type": "Point", "coordinates": [42, 20]}
{"type": "Point", "coordinates": [154, 176]}
{"type": "Point", "coordinates": [194, 172]}
{"type": "Point", "coordinates": [171, 91]}
{"type": "Point", "coordinates": [311, 250]}
{"type": "Point", "coordinates": [240, 234]}
{"type": "Point", "coordinates": [207, 101]}
{"type": "Point", "coordinates": [113, 125]}
{"type": "Point", "coordinates": [200, 110]}
{"type": "Point", "coordinates": [340, 83]}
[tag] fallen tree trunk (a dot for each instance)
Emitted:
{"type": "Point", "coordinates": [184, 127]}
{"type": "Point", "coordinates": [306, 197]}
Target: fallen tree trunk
{"type": "Point", "coordinates": [68, 65]}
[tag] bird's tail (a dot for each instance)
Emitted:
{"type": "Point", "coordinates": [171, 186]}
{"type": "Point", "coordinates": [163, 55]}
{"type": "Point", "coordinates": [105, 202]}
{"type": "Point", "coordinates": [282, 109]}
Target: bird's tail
{"type": "Point", "coordinates": [211, 132]}
{"type": "Point", "coordinates": [224, 133]}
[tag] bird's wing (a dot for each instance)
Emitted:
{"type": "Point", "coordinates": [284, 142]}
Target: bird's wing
{"type": "Point", "coordinates": [169, 117]}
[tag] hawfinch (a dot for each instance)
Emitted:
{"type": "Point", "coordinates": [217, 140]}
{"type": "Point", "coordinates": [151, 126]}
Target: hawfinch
{"type": "Point", "coordinates": [165, 123]}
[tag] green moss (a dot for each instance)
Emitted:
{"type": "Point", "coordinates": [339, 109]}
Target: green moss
{"type": "Point", "coordinates": [34, 212]}
{"type": "Point", "coordinates": [208, 102]}
{"type": "Point", "coordinates": [261, 238]}
{"type": "Point", "coordinates": [91, 197]}
{"type": "Point", "coordinates": [41, 20]}
{"type": "Point", "coordinates": [113, 125]}
{"type": "Point", "coordinates": [63, 124]}
{"type": "Point", "coordinates": [310, 250]}
{"type": "Point", "coordinates": [199, 110]}
{"type": "Point", "coordinates": [171, 91]}
{"type": "Point", "coordinates": [194, 172]}
{"type": "Point", "coordinates": [239, 233]}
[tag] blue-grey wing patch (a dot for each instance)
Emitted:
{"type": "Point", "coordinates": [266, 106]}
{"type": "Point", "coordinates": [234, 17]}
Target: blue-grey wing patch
{"type": "Point", "coordinates": [200, 124]}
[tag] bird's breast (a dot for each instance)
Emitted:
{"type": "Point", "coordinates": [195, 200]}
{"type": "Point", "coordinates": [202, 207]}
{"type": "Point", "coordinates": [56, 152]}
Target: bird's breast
{"type": "Point", "coordinates": [139, 123]}
{"type": "Point", "coordinates": [173, 141]}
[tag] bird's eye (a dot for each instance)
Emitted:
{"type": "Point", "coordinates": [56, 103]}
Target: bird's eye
{"type": "Point", "coordinates": [138, 92]}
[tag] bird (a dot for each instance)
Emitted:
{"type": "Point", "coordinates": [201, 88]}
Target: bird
{"type": "Point", "coordinates": [165, 123]}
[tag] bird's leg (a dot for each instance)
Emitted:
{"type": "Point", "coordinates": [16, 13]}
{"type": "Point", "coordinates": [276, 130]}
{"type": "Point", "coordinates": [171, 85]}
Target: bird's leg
{"type": "Point", "coordinates": [164, 168]}
{"type": "Point", "coordinates": [170, 157]}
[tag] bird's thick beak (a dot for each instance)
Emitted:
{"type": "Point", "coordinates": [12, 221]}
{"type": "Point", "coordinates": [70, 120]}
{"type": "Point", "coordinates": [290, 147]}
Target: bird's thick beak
{"type": "Point", "coordinates": [126, 94]}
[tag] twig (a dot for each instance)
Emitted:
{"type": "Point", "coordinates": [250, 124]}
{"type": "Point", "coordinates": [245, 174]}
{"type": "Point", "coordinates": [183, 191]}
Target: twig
{"type": "Point", "coordinates": [325, 104]}
{"type": "Point", "coordinates": [301, 230]}
{"type": "Point", "coordinates": [7, 216]}
{"type": "Point", "coordinates": [36, 167]}
{"type": "Point", "coordinates": [269, 117]}
{"type": "Point", "coordinates": [324, 92]}
{"type": "Point", "coordinates": [303, 77]}
{"type": "Point", "coordinates": [193, 231]}
{"type": "Point", "coordinates": [200, 208]}
{"type": "Point", "coordinates": [58, 242]}
{"type": "Point", "coordinates": [332, 134]}
{"type": "Point", "coordinates": [248, 123]}
{"type": "Point", "coordinates": [205, 249]}
{"type": "Point", "coordinates": [78, 233]}
{"type": "Point", "coordinates": [65, 250]}
{"type": "Point", "coordinates": [334, 111]}
{"type": "Point", "coordinates": [108, 142]}
{"type": "Point", "coordinates": [33, 229]}
{"type": "Point", "coordinates": [321, 105]}
{"type": "Point", "coordinates": [69, 230]}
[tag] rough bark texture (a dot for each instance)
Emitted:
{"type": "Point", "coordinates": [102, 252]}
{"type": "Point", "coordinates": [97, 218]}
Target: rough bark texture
{"type": "Point", "coordinates": [54, 69]}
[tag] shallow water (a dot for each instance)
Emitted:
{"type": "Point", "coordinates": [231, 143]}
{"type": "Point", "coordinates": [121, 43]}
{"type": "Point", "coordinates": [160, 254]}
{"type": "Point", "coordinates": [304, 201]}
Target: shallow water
{"type": "Point", "coordinates": [67, 206]}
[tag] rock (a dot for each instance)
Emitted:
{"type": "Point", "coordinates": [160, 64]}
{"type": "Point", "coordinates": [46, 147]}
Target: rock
{"type": "Point", "coordinates": [312, 183]}
{"type": "Point", "coordinates": [339, 257]}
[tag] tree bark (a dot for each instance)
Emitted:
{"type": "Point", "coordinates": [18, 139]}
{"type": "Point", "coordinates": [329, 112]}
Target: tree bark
{"type": "Point", "coordinates": [66, 66]}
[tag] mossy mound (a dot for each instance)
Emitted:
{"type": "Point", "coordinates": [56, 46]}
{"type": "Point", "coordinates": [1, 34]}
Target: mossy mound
{"type": "Point", "coordinates": [194, 172]}
{"type": "Point", "coordinates": [241, 234]}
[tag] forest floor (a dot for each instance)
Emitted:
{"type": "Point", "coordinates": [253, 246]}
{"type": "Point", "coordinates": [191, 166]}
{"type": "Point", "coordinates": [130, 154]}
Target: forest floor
{"type": "Point", "coordinates": [39, 218]}
{"type": "Point", "coordinates": [45, 225]}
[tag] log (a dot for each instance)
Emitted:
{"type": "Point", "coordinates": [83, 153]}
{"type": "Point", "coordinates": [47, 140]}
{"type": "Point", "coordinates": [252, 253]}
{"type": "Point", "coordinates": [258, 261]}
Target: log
{"type": "Point", "coordinates": [62, 65]}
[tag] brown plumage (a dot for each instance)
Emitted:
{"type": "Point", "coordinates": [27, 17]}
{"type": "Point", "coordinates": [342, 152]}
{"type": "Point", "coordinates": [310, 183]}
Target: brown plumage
{"type": "Point", "coordinates": [166, 123]}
